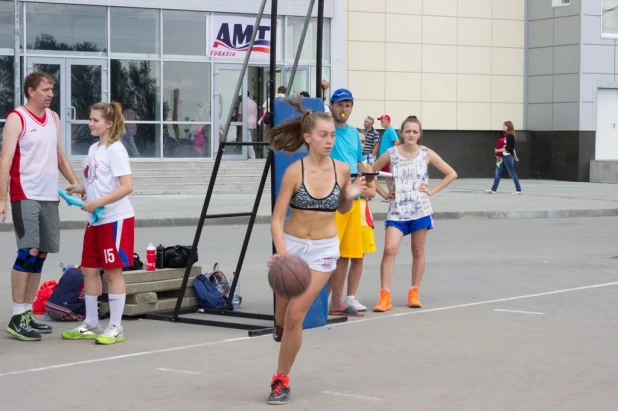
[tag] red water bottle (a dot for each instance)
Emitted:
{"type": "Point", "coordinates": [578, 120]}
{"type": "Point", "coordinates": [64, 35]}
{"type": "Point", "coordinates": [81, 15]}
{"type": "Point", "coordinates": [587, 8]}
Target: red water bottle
{"type": "Point", "coordinates": [151, 257]}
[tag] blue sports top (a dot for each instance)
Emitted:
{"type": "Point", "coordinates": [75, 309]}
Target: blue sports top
{"type": "Point", "coordinates": [302, 200]}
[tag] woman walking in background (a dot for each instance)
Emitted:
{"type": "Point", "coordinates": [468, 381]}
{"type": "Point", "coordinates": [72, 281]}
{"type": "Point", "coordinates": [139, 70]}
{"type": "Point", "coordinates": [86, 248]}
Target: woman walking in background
{"type": "Point", "coordinates": [509, 157]}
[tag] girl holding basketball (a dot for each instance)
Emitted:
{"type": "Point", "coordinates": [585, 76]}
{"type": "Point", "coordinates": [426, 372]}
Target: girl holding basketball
{"type": "Point", "coordinates": [410, 210]}
{"type": "Point", "coordinates": [314, 187]}
{"type": "Point", "coordinates": [108, 243]}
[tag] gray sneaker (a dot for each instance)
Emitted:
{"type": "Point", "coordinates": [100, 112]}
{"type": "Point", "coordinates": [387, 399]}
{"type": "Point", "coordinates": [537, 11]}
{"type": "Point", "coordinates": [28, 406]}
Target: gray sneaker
{"type": "Point", "coordinates": [83, 332]}
{"type": "Point", "coordinates": [37, 326]}
{"type": "Point", "coordinates": [353, 302]}
{"type": "Point", "coordinates": [20, 328]}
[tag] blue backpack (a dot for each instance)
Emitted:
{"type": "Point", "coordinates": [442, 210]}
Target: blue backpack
{"type": "Point", "coordinates": [207, 294]}
{"type": "Point", "coordinates": [66, 303]}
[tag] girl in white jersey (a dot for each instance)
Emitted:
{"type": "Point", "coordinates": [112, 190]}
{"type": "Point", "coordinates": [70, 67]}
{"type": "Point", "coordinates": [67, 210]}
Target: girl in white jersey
{"type": "Point", "coordinates": [108, 243]}
{"type": "Point", "coordinates": [410, 210]}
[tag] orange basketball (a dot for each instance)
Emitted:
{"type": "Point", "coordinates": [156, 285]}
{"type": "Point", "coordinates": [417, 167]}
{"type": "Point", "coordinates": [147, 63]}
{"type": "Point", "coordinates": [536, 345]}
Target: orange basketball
{"type": "Point", "coordinates": [289, 276]}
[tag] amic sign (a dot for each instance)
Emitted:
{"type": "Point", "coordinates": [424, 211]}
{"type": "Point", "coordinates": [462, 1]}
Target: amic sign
{"type": "Point", "coordinates": [230, 36]}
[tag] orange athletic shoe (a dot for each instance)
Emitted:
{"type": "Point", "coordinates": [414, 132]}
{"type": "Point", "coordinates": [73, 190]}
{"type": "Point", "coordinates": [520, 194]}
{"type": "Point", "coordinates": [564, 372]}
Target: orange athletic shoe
{"type": "Point", "coordinates": [385, 302]}
{"type": "Point", "coordinates": [413, 301]}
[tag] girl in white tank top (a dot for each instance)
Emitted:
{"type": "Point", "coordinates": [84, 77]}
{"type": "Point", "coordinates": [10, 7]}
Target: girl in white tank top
{"type": "Point", "coordinates": [410, 210]}
{"type": "Point", "coordinates": [408, 203]}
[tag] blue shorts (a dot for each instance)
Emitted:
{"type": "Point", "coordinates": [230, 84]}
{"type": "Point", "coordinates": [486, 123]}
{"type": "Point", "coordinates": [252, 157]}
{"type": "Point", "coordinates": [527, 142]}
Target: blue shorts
{"type": "Point", "coordinates": [408, 227]}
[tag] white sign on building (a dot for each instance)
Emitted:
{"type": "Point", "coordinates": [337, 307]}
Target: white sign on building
{"type": "Point", "coordinates": [229, 37]}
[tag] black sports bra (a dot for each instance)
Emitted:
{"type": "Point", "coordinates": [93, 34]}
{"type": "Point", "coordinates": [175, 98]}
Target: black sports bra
{"type": "Point", "coordinates": [302, 200]}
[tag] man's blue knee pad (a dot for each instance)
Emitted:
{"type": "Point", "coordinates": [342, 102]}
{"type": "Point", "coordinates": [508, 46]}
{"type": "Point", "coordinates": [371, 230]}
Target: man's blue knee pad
{"type": "Point", "coordinates": [24, 261]}
{"type": "Point", "coordinates": [38, 263]}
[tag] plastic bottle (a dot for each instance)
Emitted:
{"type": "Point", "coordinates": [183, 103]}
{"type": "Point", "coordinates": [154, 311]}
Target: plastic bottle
{"type": "Point", "coordinates": [151, 257]}
{"type": "Point", "coordinates": [236, 302]}
{"type": "Point", "coordinates": [236, 298]}
{"type": "Point", "coordinates": [160, 253]}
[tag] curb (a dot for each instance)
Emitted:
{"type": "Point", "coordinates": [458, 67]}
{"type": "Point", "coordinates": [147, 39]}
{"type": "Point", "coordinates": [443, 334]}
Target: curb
{"type": "Point", "coordinates": [441, 215]}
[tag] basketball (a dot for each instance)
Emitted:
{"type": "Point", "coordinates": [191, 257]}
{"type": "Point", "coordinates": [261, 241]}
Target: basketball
{"type": "Point", "coordinates": [289, 276]}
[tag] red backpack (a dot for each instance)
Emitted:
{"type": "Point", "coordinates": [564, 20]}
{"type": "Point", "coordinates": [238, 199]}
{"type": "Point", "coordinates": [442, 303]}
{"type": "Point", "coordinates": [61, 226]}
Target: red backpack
{"type": "Point", "coordinates": [38, 306]}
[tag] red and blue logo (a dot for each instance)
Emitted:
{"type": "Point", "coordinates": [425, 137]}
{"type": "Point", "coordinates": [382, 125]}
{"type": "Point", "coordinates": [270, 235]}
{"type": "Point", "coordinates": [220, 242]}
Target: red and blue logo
{"type": "Point", "coordinates": [236, 38]}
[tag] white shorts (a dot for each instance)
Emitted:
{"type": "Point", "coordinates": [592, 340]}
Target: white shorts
{"type": "Point", "coordinates": [321, 255]}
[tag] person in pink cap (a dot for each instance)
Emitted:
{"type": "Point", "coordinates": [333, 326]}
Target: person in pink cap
{"type": "Point", "coordinates": [389, 139]}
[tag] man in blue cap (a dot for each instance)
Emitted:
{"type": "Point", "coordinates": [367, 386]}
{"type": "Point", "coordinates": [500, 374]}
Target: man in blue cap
{"type": "Point", "coordinates": [347, 148]}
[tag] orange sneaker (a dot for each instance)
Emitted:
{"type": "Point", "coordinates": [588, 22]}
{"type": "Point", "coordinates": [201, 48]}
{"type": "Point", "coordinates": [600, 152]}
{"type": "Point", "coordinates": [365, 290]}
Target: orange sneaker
{"type": "Point", "coordinates": [385, 302]}
{"type": "Point", "coordinates": [413, 301]}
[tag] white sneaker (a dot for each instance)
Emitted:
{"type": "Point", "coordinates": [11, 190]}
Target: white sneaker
{"type": "Point", "coordinates": [111, 335]}
{"type": "Point", "coordinates": [354, 303]}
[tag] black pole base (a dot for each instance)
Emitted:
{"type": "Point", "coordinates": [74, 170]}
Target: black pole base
{"type": "Point", "coordinates": [269, 330]}
{"type": "Point", "coordinates": [254, 330]}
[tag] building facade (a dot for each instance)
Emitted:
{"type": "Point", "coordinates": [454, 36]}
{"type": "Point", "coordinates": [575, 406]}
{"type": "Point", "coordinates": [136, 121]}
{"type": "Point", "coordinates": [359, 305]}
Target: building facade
{"type": "Point", "coordinates": [462, 66]}
{"type": "Point", "coordinates": [456, 64]}
{"type": "Point", "coordinates": [172, 64]}
{"type": "Point", "coordinates": [572, 105]}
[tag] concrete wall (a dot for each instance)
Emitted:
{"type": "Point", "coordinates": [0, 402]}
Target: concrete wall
{"type": "Point", "coordinates": [604, 171]}
{"type": "Point", "coordinates": [553, 66]}
{"type": "Point", "coordinates": [564, 59]}
{"type": "Point", "coordinates": [467, 153]}
{"type": "Point", "coordinates": [457, 64]}
{"type": "Point", "coordinates": [561, 155]}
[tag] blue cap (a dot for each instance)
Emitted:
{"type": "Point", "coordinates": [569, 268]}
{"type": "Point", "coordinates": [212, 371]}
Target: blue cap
{"type": "Point", "coordinates": [341, 94]}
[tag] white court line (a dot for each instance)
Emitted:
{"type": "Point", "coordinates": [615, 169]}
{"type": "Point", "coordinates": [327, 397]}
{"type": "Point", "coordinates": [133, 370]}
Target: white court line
{"type": "Point", "coordinates": [120, 357]}
{"type": "Point", "coordinates": [179, 371]}
{"type": "Point", "coordinates": [359, 397]}
{"type": "Point", "coordinates": [187, 347]}
{"type": "Point", "coordinates": [452, 307]}
{"type": "Point", "coordinates": [518, 312]}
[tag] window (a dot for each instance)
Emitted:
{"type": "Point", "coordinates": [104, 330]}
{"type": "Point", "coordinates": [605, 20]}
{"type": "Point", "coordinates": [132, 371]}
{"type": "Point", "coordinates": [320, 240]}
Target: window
{"type": "Point", "coordinates": [63, 27]}
{"type": "Point", "coordinates": [609, 19]}
{"type": "Point", "coordinates": [560, 3]}
{"type": "Point", "coordinates": [134, 31]}
{"type": "Point", "coordinates": [325, 76]}
{"type": "Point", "coordinates": [293, 33]}
{"type": "Point", "coordinates": [186, 102]}
{"type": "Point", "coordinates": [186, 140]}
{"type": "Point", "coordinates": [178, 27]}
{"type": "Point", "coordinates": [6, 86]}
{"type": "Point", "coordinates": [7, 25]}
{"type": "Point", "coordinates": [135, 84]}
{"type": "Point", "coordinates": [6, 90]}
{"type": "Point", "coordinates": [186, 91]}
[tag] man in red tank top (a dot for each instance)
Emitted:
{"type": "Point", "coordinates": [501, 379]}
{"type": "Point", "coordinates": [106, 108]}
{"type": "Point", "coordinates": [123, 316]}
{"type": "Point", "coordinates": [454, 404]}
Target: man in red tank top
{"type": "Point", "coordinates": [32, 154]}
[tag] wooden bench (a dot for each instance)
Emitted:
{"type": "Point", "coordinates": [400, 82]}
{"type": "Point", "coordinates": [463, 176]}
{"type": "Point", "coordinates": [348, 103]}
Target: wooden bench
{"type": "Point", "coordinates": [155, 291]}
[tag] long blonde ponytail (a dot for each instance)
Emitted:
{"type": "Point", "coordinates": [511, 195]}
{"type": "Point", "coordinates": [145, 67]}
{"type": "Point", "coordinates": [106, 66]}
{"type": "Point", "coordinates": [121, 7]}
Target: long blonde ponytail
{"type": "Point", "coordinates": [112, 112]}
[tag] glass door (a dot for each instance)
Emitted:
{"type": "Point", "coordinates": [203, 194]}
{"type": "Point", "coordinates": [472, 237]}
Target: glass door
{"type": "Point", "coordinates": [226, 78]}
{"type": "Point", "coordinates": [55, 68]}
{"type": "Point", "coordinates": [301, 80]}
{"type": "Point", "coordinates": [85, 85]}
{"type": "Point", "coordinates": [80, 83]}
